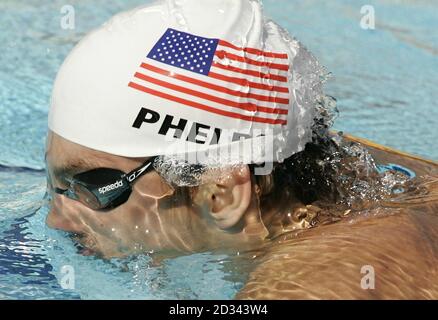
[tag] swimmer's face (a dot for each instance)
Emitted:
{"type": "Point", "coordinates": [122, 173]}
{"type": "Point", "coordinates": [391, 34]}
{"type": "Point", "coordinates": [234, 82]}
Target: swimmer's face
{"type": "Point", "coordinates": [155, 217]}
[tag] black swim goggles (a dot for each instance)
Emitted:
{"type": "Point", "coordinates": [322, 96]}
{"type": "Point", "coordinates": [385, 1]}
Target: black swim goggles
{"type": "Point", "coordinates": [104, 188]}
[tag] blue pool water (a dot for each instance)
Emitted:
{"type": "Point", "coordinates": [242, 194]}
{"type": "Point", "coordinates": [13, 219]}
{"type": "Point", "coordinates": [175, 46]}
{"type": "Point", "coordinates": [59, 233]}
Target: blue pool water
{"type": "Point", "coordinates": [385, 81]}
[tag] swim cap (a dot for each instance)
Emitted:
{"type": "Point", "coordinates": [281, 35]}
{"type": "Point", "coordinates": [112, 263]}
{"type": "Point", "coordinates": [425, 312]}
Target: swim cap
{"type": "Point", "coordinates": [185, 76]}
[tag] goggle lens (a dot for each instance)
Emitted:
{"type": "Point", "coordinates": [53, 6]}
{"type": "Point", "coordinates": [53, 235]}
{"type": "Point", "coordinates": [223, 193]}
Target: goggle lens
{"type": "Point", "coordinates": [87, 197]}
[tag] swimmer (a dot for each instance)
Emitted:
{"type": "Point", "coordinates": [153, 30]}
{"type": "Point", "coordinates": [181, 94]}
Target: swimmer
{"type": "Point", "coordinates": [161, 82]}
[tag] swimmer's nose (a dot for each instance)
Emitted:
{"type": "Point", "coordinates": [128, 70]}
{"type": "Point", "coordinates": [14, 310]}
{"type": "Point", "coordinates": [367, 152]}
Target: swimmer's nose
{"type": "Point", "coordinates": [56, 221]}
{"type": "Point", "coordinates": [62, 218]}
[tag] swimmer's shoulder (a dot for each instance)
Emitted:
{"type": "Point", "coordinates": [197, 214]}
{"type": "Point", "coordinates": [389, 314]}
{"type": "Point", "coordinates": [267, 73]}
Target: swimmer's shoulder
{"type": "Point", "coordinates": [389, 257]}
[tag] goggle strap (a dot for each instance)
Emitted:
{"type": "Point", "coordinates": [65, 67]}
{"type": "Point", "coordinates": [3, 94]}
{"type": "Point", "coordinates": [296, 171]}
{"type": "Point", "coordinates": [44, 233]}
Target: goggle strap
{"type": "Point", "coordinates": [137, 173]}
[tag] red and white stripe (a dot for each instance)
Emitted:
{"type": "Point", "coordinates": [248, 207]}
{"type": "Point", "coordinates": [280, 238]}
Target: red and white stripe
{"type": "Point", "coordinates": [243, 83]}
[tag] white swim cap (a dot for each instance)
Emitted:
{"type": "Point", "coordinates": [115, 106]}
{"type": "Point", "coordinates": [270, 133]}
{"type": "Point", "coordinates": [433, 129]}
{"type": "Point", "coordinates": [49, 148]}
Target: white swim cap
{"type": "Point", "coordinates": [185, 76]}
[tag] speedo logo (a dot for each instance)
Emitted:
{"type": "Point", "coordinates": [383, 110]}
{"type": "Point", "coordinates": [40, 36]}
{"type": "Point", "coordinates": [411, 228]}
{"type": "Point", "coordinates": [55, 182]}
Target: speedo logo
{"type": "Point", "coordinates": [110, 187]}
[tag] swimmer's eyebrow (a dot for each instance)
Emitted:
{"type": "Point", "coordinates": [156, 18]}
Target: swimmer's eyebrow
{"type": "Point", "coordinates": [69, 169]}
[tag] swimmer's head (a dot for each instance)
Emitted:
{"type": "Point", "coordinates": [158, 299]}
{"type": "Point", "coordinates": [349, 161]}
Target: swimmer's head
{"type": "Point", "coordinates": [157, 215]}
{"type": "Point", "coordinates": [213, 82]}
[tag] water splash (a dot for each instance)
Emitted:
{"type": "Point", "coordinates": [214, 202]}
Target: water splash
{"type": "Point", "coordinates": [357, 178]}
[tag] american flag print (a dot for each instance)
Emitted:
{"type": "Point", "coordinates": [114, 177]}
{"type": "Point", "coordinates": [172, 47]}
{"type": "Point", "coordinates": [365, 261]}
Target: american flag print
{"type": "Point", "coordinates": [216, 76]}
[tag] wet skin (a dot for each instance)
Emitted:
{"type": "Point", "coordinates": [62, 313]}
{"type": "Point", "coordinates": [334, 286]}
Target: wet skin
{"type": "Point", "coordinates": [398, 238]}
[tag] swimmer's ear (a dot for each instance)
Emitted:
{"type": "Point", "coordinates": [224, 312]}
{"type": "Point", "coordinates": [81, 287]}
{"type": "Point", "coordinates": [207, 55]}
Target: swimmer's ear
{"type": "Point", "coordinates": [227, 199]}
